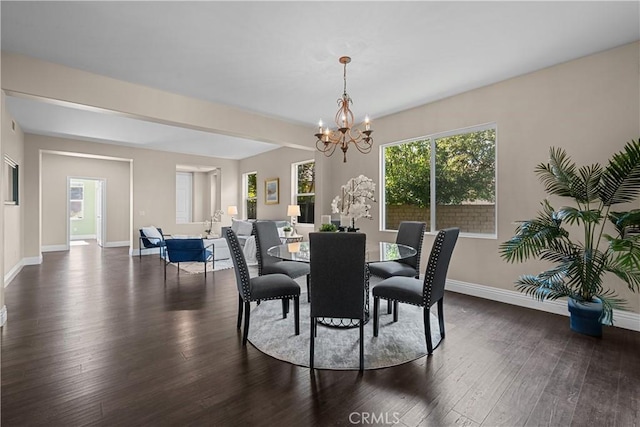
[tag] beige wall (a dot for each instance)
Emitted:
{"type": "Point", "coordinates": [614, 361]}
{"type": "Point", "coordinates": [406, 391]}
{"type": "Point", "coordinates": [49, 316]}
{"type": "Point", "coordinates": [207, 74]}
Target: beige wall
{"type": "Point", "coordinates": [152, 187]}
{"type": "Point", "coordinates": [11, 216]}
{"type": "Point", "coordinates": [274, 164]}
{"type": "Point", "coordinates": [12, 145]}
{"type": "Point", "coordinates": [56, 169]}
{"type": "Point", "coordinates": [589, 106]}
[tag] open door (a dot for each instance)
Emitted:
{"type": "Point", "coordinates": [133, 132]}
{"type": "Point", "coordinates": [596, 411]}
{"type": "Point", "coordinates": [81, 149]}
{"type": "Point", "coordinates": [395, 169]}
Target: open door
{"type": "Point", "coordinates": [86, 210]}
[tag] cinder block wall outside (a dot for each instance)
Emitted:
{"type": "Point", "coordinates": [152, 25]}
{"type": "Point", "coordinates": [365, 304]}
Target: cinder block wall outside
{"type": "Point", "coordinates": [469, 218]}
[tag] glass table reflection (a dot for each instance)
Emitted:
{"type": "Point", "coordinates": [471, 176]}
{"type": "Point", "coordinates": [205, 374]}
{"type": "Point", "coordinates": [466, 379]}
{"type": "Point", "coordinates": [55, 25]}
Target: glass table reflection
{"type": "Point", "coordinates": [375, 252]}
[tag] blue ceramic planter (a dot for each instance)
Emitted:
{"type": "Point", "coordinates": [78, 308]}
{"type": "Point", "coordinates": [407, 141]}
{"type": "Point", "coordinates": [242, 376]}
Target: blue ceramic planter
{"type": "Point", "coordinates": [585, 317]}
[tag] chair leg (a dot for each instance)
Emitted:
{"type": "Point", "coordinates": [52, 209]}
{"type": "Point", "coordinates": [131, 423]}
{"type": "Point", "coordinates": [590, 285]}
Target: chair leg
{"type": "Point", "coordinates": [389, 306]}
{"type": "Point", "coordinates": [296, 313]}
{"type": "Point", "coordinates": [376, 309]}
{"type": "Point", "coordinates": [308, 294]}
{"type": "Point", "coordinates": [395, 311]}
{"type": "Point", "coordinates": [240, 304]}
{"type": "Point", "coordinates": [205, 269]}
{"type": "Point", "coordinates": [441, 316]}
{"type": "Point", "coordinates": [361, 344]}
{"type": "Point", "coordinates": [247, 310]}
{"type": "Point", "coordinates": [312, 342]}
{"type": "Point", "coordinates": [285, 307]}
{"type": "Point", "coordinates": [165, 271]}
{"type": "Point", "coordinates": [427, 329]}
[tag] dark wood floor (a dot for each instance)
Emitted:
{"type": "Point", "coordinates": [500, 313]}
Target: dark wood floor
{"type": "Point", "coordinates": [95, 337]}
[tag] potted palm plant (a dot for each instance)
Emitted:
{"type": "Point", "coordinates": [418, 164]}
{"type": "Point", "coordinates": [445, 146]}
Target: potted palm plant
{"type": "Point", "coordinates": [574, 238]}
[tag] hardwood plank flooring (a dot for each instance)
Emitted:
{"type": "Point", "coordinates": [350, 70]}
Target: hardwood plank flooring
{"type": "Point", "coordinates": [96, 337]}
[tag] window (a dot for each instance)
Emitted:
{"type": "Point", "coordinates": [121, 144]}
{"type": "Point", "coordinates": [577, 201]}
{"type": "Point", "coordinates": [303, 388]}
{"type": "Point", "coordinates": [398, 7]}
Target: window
{"type": "Point", "coordinates": [304, 188]}
{"type": "Point", "coordinates": [452, 172]}
{"type": "Point", "coordinates": [251, 194]}
{"type": "Point", "coordinates": [11, 181]}
{"type": "Point", "coordinates": [76, 200]}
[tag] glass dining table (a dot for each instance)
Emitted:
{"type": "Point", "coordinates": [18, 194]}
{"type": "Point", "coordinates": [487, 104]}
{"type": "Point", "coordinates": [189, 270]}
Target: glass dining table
{"type": "Point", "coordinates": [374, 252]}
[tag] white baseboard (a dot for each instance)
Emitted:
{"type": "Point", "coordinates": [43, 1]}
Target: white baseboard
{"type": "Point", "coordinates": [622, 319]}
{"type": "Point", "coordinates": [34, 260]}
{"type": "Point", "coordinates": [83, 237]}
{"type": "Point", "coordinates": [3, 315]}
{"type": "Point", "coordinates": [55, 248]}
{"type": "Point", "coordinates": [11, 274]}
{"type": "Point", "coordinates": [115, 244]}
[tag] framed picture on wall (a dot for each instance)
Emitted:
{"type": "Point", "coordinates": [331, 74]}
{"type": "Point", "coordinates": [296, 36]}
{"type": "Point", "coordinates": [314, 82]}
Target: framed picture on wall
{"type": "Point", "coordinates": [272, 191]}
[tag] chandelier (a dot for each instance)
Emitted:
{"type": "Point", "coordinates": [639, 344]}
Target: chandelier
{"type": "Point", "coordinates": [345, 134]}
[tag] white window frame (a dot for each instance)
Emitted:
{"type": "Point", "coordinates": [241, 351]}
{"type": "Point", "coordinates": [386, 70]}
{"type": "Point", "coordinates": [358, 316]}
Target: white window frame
{"type": "Point", "coordinates": [245, 193]}
{"type": "Point", "coordinates": [432, 202]}
{"type": "Point", "coordinates": [294, 184]}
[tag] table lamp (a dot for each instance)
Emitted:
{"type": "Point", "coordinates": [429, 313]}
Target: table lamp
{"type": "Point", "coordinates": [294, 212]}
{"type": "Point", "coordinates": [232, 210]}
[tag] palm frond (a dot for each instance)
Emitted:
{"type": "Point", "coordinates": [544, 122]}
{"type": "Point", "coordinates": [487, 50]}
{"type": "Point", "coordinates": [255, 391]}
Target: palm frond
{"type": "Point", "coordinates": [559, 174]}
{"type": "Point", "coordinates": [586, 185]}
{"type": "Point", "coordinates": [542, 288]}
{"type": "Point", "coordinates": [622, 220]}
{"type": "Point", "coordinates": [573, 215]}
{"type": "Point", "coordinates": [621, 177]}
{"type": "Point", "coordinates": [533, 236]}
{"type": "Point", "coordinates": [627, 267]}
{"type": "Point", "coordinates": [609, 302]}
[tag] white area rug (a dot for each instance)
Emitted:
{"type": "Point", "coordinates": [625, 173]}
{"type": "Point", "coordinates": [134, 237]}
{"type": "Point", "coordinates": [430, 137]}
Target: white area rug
{"type": "Point", "coordinates": [198, 267]}
{"type": "Point", "coordinates": [338, 349]}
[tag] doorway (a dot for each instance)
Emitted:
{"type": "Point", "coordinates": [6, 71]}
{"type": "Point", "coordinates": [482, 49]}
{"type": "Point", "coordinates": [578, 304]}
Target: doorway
{"type": "Point", "coordinates": [86, 209]}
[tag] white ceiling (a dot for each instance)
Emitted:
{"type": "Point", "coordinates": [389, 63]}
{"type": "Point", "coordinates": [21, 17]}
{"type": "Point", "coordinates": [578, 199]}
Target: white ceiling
{"type": "Point", "coordinates": [281, 58]}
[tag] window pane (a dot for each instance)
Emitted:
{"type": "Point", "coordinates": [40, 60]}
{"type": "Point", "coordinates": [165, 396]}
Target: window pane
{"type": "Point", "coordinates": [76, 210]}
{"type": "Point", "coordinates": [251, 190]}
{"type": "Point", "coordinates": [407, 176]}
{"type": "Point", "coordinates": [306, 178]}
{"type": "Point", "coordinates": [304, 190]}
{"type": "Point", "coordinates": [252, 185]}
{"type": "Point", "coordinates": [465, 181]}
{"type": "Point", "coordinates": [76, 193]}
{"type": "Point", "coordinates": [307, 204]}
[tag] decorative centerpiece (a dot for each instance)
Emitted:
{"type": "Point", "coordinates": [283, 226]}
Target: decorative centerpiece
{"type": "Point", "coordinates": [354, 200]}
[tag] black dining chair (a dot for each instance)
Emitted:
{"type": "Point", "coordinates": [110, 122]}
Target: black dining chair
{"type": "Point", "coordinates": [421, 293]}
{"type": "Point", "coordinates": [337, 281]}
{"type": "Point", "coordinates": [266, 235]}
{"type": "Point", "coordinates": [410, 233]}
{"type": "Point", "coordinates": [267, 287]}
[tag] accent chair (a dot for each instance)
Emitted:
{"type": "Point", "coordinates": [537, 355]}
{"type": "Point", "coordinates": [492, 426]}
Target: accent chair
{"type": "Point", "coordinates": [187, 250]}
